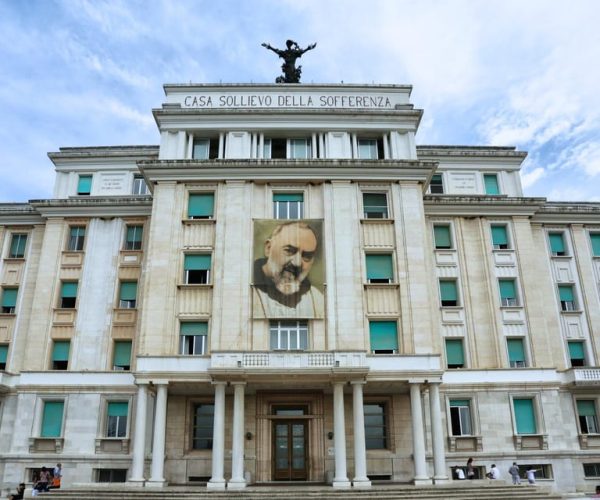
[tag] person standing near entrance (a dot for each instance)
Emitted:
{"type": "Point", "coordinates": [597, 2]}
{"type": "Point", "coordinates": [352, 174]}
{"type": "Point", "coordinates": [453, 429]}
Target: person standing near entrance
{"type": "Point", "coordinates": [531, 475]}
{"type": "Point", "coordinates": [514, 473]}
{"type": "Point", "coordinates": [470, 469]}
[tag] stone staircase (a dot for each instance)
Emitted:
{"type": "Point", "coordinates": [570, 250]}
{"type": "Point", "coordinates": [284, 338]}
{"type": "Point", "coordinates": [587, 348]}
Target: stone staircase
{"type": "Point", "coordinates": [376, 492]}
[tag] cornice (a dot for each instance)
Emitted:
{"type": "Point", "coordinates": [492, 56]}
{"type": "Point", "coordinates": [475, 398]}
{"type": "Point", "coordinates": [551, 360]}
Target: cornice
{"type": "Point", "coordinates": [19, 214]}
{"type": "Point", "coordinates": [568, 213]}
{"type": "Point", "coordinates": [95, 206]}
{"type": "Point", "coordinates": [477, 206]}
{"type": "Point", "coordinates": [190, 87]}
{"type": "Point", "coordinates": [103, 155]}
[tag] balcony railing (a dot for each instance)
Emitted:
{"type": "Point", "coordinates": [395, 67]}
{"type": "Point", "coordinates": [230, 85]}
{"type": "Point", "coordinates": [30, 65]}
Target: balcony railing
{"type": "Point", "coordinates": [583, 376]}
{"type": "Point", "coordinates": [288, 360]}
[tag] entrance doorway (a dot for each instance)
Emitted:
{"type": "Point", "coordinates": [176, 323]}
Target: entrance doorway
{"type": "Point", "coordinates": [290, 446]}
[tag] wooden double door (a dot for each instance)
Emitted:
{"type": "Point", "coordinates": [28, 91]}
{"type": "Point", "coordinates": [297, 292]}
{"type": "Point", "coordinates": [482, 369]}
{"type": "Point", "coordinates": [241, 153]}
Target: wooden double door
{"type": "Point", "coordinates": [290, 450]}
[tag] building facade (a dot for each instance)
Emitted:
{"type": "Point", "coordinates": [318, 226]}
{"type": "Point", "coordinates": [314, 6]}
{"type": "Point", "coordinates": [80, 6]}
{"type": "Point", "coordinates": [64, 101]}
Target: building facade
{"type": "Point", "coordinates": [288, 288]}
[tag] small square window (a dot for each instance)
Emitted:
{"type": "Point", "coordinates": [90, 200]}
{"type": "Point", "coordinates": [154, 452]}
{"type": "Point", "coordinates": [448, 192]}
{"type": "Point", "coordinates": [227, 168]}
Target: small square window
{"type": "Point", "coordinates": [133, 237]}
{"type": "Point", "coordinates": [557, 244]}
{"type": "Point", "coordinates": [508, 293]}
{"type": "Point", "coordinates": [122, 355]}
{"type": "Point", "coordinates": [139, 186]}
{"type": "Point", "coordinates": [436, 186]}
{"type": "Point", "coordinates": [591, 470]}
{"type": "Point", "coordinates": [383, 337]}
{"type": "Point", "coordinates": [576, 353]}
{"type": "Point", "coordinates": [68, 294]}
{"type": "Point", "coordinates": [370, 149]}
{"type": "Point", "coordinates": [375, 206]}
{"type": "Point", "coordinates": [111, 475]}
{"type": "Point", "coordinates": [3, 356]}
{"type": "Point", "coordinates": [275, 148]}
{"type": "Point", "coordinates": [52, 417]}
{"type": "Point", "coordinates": [288, 205]}
{"type": "Point", "coordinates": [300, 149]}
{"type": "Point", "coordinates": [128, 295]}
{"type": "Point", "coordinates": [567, 298]}
{"type": "Point", "coordinates": [460, 417]}
{"type": "Point", "coordinates": [60, 354]}
{"type": "Point", "coordinates": [595, 241]}
{"type": "Point", "coordinates": [516, 353]}
{"type": "Point", "coordinates": [380, 268]}
{"type": "Point", "coordinates": [201, 206]}
{"type": "Point", "coordinates": [490, 182]}
{"type": "Point", "coordinates": [442, 236]}
{"type": "Point", "coordinates": [116, 419]}
{"type": "Point", "coordinates": [76, 238]}
{"type": "Point", "coordinates": [448, 293]}
{"type": "Point", "coordinates": [9, 300]}
{"type": "Point", "coordinates": [84, 186]}
{"type": "Point", "coordinates": [525, 418]}
{"type": "Point", "coordinates": [193, 337]}
{"type": "Point", "coordinates": [17, 246]}
{"type": "Point", "coordinates": [499, 237]}
{"type": "Point", "coordinates": [205, 149]}
{"type": "Point", "coordinates": [455, 355]}
{"type": "Point", "coordinates": [197, 269]}
{"type": "Point", "coordinates": [288, 335]}
{"type": "Point", "coordinates": [588, 416]}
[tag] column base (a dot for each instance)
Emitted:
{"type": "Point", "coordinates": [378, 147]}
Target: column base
{"type": "Point", "coordinates": [236, 484]}
{"type": "Point", "coordinates": [422, 481]}
{"type": "Point", "coordinates": [156, 483]}
{"type": "Point", "coordinates": [343, 483]}
{"type": "Point", "coordinates": [361, 482]}
{"type": "Point", "coordinates": [218, 484]}
{"type": "Point", "coordinates": [136, 482]}
{"type": "Point", "coordinates": [442, 480]}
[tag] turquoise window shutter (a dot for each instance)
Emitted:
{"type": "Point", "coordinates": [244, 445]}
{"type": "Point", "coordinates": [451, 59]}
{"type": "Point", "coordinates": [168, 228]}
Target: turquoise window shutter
{"type": "Point", "coordinates": [557, 243]}
{"type": "Point", "coordinates": [586, 408]}
{"type": "Point", "coordinates": [379, 267]}
{"type": "Point", "coordinates": [576, 350]}
{"type": "Point", "coordinates": [491, 184]}
{"type": "Point", "coordinates": [460, 402]}
{"type": "Point", "coordinates": [441, 236]}
{"type": "Point", "coordinates": [60, 351]}
{"type": "Point", "coordinates": [194, 328]}
{"type": "Point", "coordinates": [516, 350]}
{"type": "Point", "coordinates": [52, 419]}
{"type": "Point", "coordinates": [17, 245]}
{"type": "Point", "coordinates": [134, 233]}
{"type": "Point", "coordinates": [201, 149]}
{"type": "Point", "coordinates": [69, 289]}
{"type": "Point", "coordinates": [383, 335]}
{"type": "Point", "coordinates": [3, 353]}
{"type": "Point", "coordinates": [525, 416]}
{"type": "Point", "coordinates": [566, 293]}
{"type": "Point", "coordinates": [122, 353]}
{"type": "Point", "coordinates": [9, 297]}
{"type": "Point", "coordinates": [448, 290]}
{"type": "Point", "coordinates": [197, 262]}
{"type": "Point", "coordinates": [118, 409]}
{"type": "Point", "coordinates": [128, 290]}
{"type": "Point", "coordinates": [595, 238]}
{"type": "Point", "coordinates": [85, 184]}
{"type": "Point", "coordinates": [507, 289]}
{"type": "Point", "coordinates": [454, 352]}
{"type": "Point", "coordinates": [201, 205]}
{"type": "Point", "coordinates": [499, 236]}
{"type": "Point", "coordinates": [288, 197]}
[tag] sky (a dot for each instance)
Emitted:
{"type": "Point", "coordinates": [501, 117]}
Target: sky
{"type": "Point", "coordinates": [522, 73]}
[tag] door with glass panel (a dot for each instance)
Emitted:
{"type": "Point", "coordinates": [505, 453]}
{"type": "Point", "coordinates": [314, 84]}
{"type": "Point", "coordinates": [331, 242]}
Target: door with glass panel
{"type": "Point", "coordinates": [290, 450]}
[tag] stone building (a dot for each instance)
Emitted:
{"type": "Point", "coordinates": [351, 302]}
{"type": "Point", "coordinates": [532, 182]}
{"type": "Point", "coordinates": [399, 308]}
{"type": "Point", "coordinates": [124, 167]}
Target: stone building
{"type": "Point", "coordinates": [288, 288]}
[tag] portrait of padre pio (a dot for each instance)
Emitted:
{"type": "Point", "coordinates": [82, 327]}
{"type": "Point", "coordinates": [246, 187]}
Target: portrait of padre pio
{"type": "Point", "coordinates": [289, 271]}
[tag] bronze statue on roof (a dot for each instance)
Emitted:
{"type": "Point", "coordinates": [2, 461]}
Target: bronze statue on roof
{"type": "Point", "coordinates": [291, 74]}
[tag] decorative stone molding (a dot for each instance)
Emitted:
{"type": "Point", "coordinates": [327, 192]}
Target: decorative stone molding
{"type": "Point", "coordinates": [124, 317]}
{"type": "Point", "coordinates": [45, 445]}
{"type": "Point", "coordinates": [64, 316]}
{"type": "Point", "coordinates": [531, 442]}
{"type": "Point", "coordinates": [465, 443]}
{"type": "Point", "coordinates": [587, 441]}
{"type": "Point", "coordinates": [112, 445]}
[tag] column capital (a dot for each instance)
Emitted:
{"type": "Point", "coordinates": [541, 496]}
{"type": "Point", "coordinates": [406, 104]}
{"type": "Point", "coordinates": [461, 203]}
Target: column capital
{"type": "Point", "coordinates": [358, 382]}
{"type": "Point", "coordinates": [159, 382]}
{"type": "Point", "coordinates": [219, 382]}
{"type": "Point", "coordinates": [142, 383]}
{"type": "Point", "coordinates": [238, 382]}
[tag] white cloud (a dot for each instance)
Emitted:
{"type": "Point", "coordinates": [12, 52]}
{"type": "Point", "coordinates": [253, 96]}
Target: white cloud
{"type": "Point", "coordinates": [528, 179]}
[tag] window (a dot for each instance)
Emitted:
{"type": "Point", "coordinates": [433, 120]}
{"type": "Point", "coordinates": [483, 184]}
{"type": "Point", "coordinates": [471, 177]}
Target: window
{"type": "Point", "coordinates": [202, 428]}
{"type": "Point", "coordinates": [116, 419]}
{"type": "Point", "coordinates": [588, 419]}
{"type": "Point", "coordinates": [525, 416]}
{"type": "Point", "coordinates": [139, 185]}
{"type": "Point", "coordinates": [436, 186]}
{"type": "Point", "coordinates": [499, 237]}
{"type": "Point", "coordinates": [375, 425]}
{"type": "Point", "coordinates": [576, 353]}
{"type": "Point", "coordinates": [567, 298]}
{"type": "Point", "coordinates": [490, 181]}
{"type": "Point", "coordinates": [205, 149]}
{"type": "Point", "coordinates": [84, 186]}
{"type": "Point", "coordinates": [122, 355]}
{"type": "Point", "coordinates": [441, 236]}
{"type": "Point", "coordinates": [68, 294]}
{"type": "Point", "coordinates": [133, 237]}
{"type": "Point", "coordinates": [595, 240]}
{"type": "Point", "coordinates": [542, 471]}
{"type": "Point", "coordinates": [197, 269]}
{"type": "Point", "coordinates": [379, 268]}
{"type": "Point", "coordinates": [76, 238]}
{"type": "Point", "coordinates": [455, 355]}
{"type": "Point", "coordinates": [508, 293]}
{"type": "Point", "coordinates": [300, 149]}
{"type": "Point", "coordinates": [111, 475]}
{"type": "Point", "coordinates": [17, 246]}
{"type": "Point", "coordinates": [375, 206]}
{"type": "Point", "coordinates": [201, 205]}
{"type": "Point", "coordinates": [9, 300]}
{"type": "Point", "coordinates": [557, 244]}
{"type": "Point", "coordinates": [448, 293]}
{"type": "Point", "coordinates": [383, 336]}
{"type": "Point", "coordinates": [52, 416]}
{"type": "Point", "coordinates": [516, 353]}
{"type": "Point", "coordinates": [3, 356]}
{"type": "Point", "coordinates": [193, 337]}
{"type": "Point", "coordinates": [370, 149]}
{"type": "Point", "coordinates": [591, 470]}
{"type": "Point", "coordinates": [288, 205]}
{"type": "Point", "coordinates": [460, 417]}
{"type": "Point", "coordinates": [275, 148]}
{"type": "Point", "coordinates": [60, 354]}
{"type": "Point", "coordinates": [289, 335]}
{"type": "Point", "coordinates": [127, 294]}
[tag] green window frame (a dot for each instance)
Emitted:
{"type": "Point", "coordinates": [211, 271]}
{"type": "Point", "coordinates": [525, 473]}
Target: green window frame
{"type": "Point", "coordinates": [60, 354]}
{"type": "Point", "coordinates": [122, 355]}
{"type": "Point", "coordinates": [595, 242]}
{"type": "Point", "coordinates": [460, 417]}
{"type": "Point", "coordinates": [193, 337]}
{"type": "Point", "coordinates": [525, 419]}
{"type": "Point", "coordinates": [202, 426]}
{"type": "Point", "coordinates": [516, 352]}
{"type": "Point", "coordinates": [566, 295]}
{"type": "Point", "coordinates": [576, 352]}
{"type": "Point", "coordinates": [133, 237]}
{"type": "Point", "coordinates": [442, 236]}
{"type": "Point", "coordinates": [201, 205]}
{"type": "Point", "coordinates": [197, 269]}
{"type": "Point", "coordinates": [52, 419]}
{"type": "Point", "coordinates": [499, 236]}
{"type": "Point", "coordinates": [436, 185]}
{"type": "Point", "coordinates": [557, 244]}
{"type": "Point", "coordinates": [18, 243]}
{"type": "Point", "coordinates": [490, 182]}
{"type": "Point", "coordinates": [375, 205]}
{"type": "Point", "coordinates": [588, 417]}
{"type": "Point", "coordinates": [76, 238]}
{"type": "Point", "coordinates": [448, 292]}
{"type": "Point", "coordinates": [9, 300]}
{"type": "Point", "coordinates": [128, 295]}
{"type": "Point", "coordinates": [3, 356]}
{"type": "Point", "coordinates": [455, 354]}
{"type": "Point", "coordinates": [288, 205]}
{"type": "Point", "coordinates": [116, 419]}
{"type": "Point", "coordinates": [376, 426]}
{"type": "Point", "coordinates": [383, 336]}
{"type": "Point", "coordinates": [84, 185]}
{"type": "Point", "coordinates": [68, 294]}
{"type": "Point", "coordinates": [508, 292]}
{"type": "Point", "coordinates": [380, 268]}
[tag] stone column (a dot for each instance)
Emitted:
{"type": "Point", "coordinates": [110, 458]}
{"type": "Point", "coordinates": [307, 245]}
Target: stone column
{"type": "Point", "coordinates": [416, 412]}
{"type": "Point", "coordinates": [437, 435]}
{"type": "Point", "coordinates": [237, 480]}
{"type": "Point", "coordinates": [339, 437]}
{"type": "Point", "coordinates": [217, 481]}
{"type": "Point", "coordinates": [360, 448]}
{"type": "Point", "coordinates": [139, 435]}
{"type": "Point", "coordinates": [158, 443]}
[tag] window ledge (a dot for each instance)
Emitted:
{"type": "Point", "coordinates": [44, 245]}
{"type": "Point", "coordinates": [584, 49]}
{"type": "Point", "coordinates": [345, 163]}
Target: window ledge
{"type": "Point", "coordinates": [575, 312]}
{"type": "Point", "coordinates": [191, 286]}
{"type": "Point", "coordinates": [112, 445]}
{"type": "Point", "coordinates": [8, 315]}
{"type": "Point", "coordinates": [511, 308]}
{"type": "Point", "coordinates": [587, 441]}
{"type": "Point", "coordinates": [465, 443]}
{"type": "Point", "coordinates": [199, 221]}
{"type": "Point", "coordinates": [381, 285]}
{"type": "Point", "coordinates": [531, 441]}
{"type": "Point", "coordinates": [14, 259]}
{"type": "Point", "coordinates": [45, 445]}
{"type": "Point", "coordinates": [374, 220]}
{"type": "Point", "coordinates": [561, 257]}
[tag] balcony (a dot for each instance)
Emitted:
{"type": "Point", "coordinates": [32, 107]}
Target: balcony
{"type": "Point", "coordinates": [583, 376]}
{"type": "Point", "coordinates": [288, 360]}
